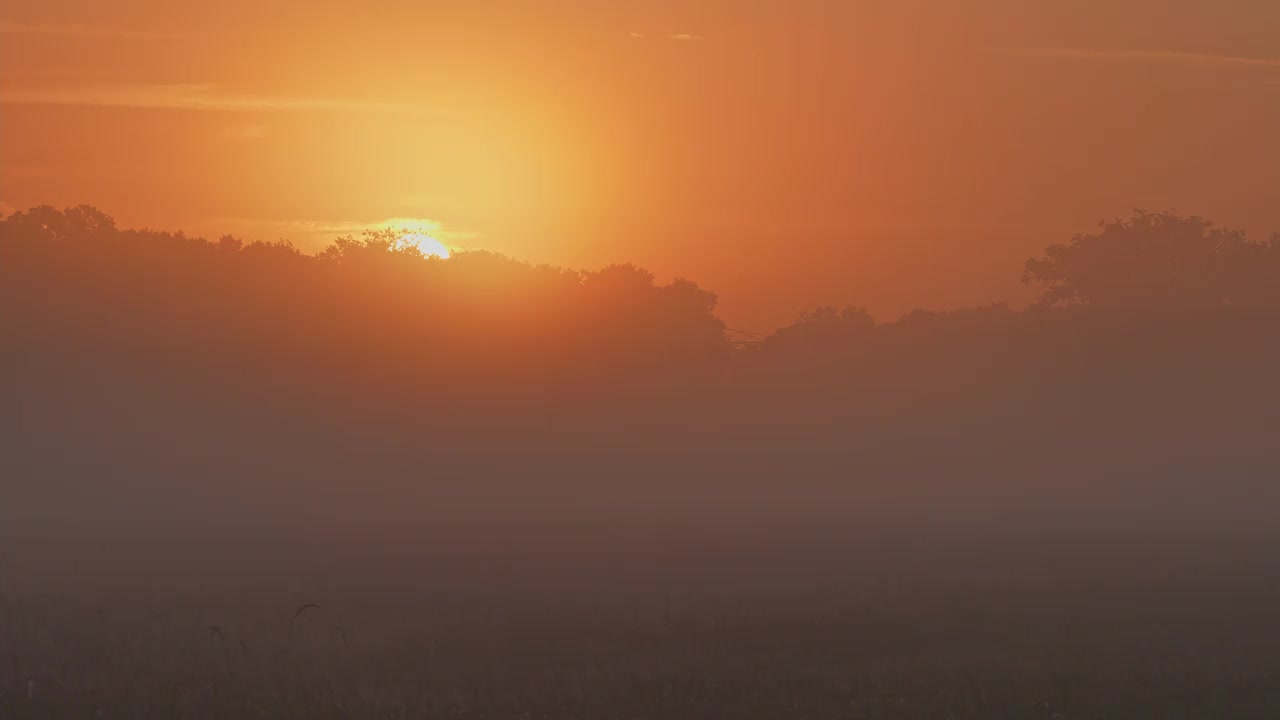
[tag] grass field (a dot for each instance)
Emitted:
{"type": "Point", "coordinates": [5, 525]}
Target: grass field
{"type": "Point", "coordinates": [1015, 628]}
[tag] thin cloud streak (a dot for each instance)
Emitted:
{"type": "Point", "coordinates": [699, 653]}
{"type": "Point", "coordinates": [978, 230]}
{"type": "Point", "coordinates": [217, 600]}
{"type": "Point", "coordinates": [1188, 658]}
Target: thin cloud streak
{"type": "Point", "coordinates": [190, 97]}
{"type": "Point", "coordinates": [8, 27]}
{"type": "Point", "coordinates": [678, 37]}
{"type": "Point", "coordinates": [1158, 56]}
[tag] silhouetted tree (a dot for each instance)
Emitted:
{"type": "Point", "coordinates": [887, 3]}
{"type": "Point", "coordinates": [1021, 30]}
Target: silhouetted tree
{"type": "Point", "coordinates": [369, 351]}
{"type": "Point", "coordinates": [1156, 260]}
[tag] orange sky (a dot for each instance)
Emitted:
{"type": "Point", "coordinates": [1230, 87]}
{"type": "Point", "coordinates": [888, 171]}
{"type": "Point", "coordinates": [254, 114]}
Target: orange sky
{"type": "Point", "coordinates": [782, 153]}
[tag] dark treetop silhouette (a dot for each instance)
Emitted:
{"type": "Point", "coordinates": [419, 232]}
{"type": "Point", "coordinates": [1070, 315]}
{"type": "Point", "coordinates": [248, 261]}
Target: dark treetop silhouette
{"type": "Point", "coordinates": [167, 367]}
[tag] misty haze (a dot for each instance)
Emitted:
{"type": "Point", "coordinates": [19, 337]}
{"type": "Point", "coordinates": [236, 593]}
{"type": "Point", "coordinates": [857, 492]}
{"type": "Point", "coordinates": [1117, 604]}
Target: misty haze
{"type": "Point", "coordinates": [636, 361]}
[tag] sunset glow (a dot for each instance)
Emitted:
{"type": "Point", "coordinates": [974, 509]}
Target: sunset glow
{"type": "Point", "coordinates": [854, 152]}
{"type": "Point", "coordinates": [428, 245]}
{"type": "Point", "coordinates": [639, 359]}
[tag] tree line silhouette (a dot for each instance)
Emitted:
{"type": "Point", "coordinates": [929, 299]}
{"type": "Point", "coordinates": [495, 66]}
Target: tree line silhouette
{"type": "Point", "coordinates": [1151, 352]}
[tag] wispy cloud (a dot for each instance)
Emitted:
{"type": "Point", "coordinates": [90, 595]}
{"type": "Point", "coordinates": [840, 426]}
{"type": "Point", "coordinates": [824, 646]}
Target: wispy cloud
{"type": "Point", "coordinates": [8, 27]}
{"type": "Point", "coordinates": [1149, 56]}
{"type": "Point", "coordinates": [189, 97]}
{"type": "Point", "coordinates": [678, 37]}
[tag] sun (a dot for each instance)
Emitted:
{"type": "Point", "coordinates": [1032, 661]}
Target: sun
{"type": "Point", "coordinates": [427, 245]}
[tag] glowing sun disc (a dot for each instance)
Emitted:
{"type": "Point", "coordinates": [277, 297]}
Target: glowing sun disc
{"type": "Point", "coordinates": [428, 245]}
